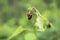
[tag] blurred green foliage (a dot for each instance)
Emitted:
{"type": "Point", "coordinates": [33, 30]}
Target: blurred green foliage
{"type": "Point", "coordinates": [13, 15]}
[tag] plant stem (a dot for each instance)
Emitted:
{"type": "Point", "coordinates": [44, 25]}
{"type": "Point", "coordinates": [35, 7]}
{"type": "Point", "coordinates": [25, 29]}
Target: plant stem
{"type": "Point", "coordinates": [37, 12]}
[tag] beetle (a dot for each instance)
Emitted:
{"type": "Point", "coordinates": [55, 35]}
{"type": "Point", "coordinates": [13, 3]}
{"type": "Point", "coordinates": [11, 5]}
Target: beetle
{"type": "Point", "coordinates": [29, 15]}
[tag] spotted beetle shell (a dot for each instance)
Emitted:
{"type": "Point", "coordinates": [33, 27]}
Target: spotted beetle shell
{"type": "Point", "coordinates": [29, 15]}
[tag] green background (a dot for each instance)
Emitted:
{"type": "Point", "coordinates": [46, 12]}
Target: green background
{"type": "Point", "coordinates": [13, 15]}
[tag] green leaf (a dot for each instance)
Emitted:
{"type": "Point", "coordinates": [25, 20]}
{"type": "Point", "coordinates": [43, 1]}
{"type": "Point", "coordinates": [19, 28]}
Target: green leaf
{"type": "Point", "coordinates": [30, 36]}
{"type": "Point", "coordinates": [18, 31]}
